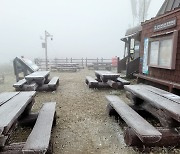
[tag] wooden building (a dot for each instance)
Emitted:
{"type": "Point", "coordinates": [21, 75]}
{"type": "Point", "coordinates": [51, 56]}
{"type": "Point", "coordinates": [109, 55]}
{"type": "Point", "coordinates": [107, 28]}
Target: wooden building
{"type": "Point", "coordinates": [160, 48]}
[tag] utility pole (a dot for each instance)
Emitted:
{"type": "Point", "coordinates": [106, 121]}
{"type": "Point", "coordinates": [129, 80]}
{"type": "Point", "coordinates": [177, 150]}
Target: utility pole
{"type": "Point", "coordinates": [45, 46]}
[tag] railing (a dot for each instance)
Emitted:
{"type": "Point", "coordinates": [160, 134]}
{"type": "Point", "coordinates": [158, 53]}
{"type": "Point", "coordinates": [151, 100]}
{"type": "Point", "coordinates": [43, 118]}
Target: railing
{"type": "Point", "coordinates": [81, 61]}
{"type": "Point", "coordinates": [132, 67]}
{"type": "Point", "coordinates": [122, 64]}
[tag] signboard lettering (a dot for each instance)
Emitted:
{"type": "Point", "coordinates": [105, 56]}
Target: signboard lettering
{"type": "Point", "coordinates": [166, 25]}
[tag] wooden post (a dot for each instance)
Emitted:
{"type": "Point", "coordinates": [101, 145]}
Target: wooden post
{"type": "Point", "coordinates": [102, 60]}
{"type": "Point", "coordinates": [97, 60]}
{"type": "Point", "coordinates": [55, 60]}
{"type": "Point", "coordinates": [82, 62]}
{"type": "Point", "coordinates": [86, 61]}
{"type": "Point", "coordinates": [71, 59]}
{"type": "Point", "coordinates": [66, 59]}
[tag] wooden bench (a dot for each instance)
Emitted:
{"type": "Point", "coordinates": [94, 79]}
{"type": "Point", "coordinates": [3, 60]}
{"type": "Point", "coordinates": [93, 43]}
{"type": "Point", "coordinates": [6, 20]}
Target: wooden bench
{"type": "Point", "coordinates": [12, 108]}
{"type": "Point", "coordinates": [144, 130]}
{"type": "Point", "coordinates": [168, 106]}
{"type": "Point", "coordinates": [39, 77]}
{"type": "Point", "coordinates": [91, 82]}
{"type": "Point", "coordinates": [54, 82]}
{"type": "Point", "coordinates": [19, 85]}
{"type": "Point", "coordinates": [39, 139]}
{"type": "Point", "coordinates": [30, 87]}
{"type": "Point", "coordinates": [169, 84]}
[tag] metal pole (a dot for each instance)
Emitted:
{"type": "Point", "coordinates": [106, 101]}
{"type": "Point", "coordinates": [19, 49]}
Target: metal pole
{"type": "Point", "coordinates": [46, 51]}
{"type": "Point", "coordinates": [144, 9]}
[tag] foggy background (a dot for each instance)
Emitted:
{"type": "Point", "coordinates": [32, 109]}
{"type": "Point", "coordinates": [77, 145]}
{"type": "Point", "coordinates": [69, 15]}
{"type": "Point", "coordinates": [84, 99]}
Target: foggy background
{"type": "Point", "coordinates": [80, 28]}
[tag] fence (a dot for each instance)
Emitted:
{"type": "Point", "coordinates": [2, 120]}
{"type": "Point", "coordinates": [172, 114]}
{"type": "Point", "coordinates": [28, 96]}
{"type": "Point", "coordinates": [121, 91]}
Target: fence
{"type": "Point", "coordinates": [82, 61]}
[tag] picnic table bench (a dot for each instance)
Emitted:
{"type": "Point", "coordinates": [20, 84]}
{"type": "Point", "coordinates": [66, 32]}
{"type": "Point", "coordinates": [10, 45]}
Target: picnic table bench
{"type": "Point", "coordinates": [144, 130]}
{"type": "Point", "coordinates": [16, 106]}
{"type": "Point", "coordinates": [158, 99]}
{"type": "Point", "coordinates": [37, 81]}
{"type": "Point", "coordinates": [106, 75]}
{"type": "Point", "coordinates": [39, 139]}
{"type": "Point", "coordinates": [140, 132]}
{"type": "Point", "coordinates": [13, 105]}
{"type": "Point", "coordinates": [39, 77]}
{"type": "Point", "coordinates": [162, 105]}
{"type": "Point", "coordinates": [106, 79]}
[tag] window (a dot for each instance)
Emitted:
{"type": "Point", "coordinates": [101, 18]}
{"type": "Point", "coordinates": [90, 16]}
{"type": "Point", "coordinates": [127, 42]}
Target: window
{"type": "Point", "coordinates": [162, 51]}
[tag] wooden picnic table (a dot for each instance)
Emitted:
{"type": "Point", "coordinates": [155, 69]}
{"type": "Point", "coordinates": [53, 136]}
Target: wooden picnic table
{"type": "Point", "coordinates": [158, 99]}
{"type": "Point", "coordinates": [39, 77]}
{"type": "Point", "coordinates": [12, 106]}
{"type": "Point", "coordinates": [106, 75]}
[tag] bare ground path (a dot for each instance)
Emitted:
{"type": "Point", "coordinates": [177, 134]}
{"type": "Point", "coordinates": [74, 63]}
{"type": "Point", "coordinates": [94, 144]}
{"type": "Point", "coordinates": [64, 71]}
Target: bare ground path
{"type": "Point", "coordinates": [83, 125]}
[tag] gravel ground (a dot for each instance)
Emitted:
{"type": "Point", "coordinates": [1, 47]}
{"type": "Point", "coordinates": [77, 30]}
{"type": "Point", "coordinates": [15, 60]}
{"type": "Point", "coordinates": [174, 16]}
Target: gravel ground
{"type": "Point", "coordinates": [83, 125]}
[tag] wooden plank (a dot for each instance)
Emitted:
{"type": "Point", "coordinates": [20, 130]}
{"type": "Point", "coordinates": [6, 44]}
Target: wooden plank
{"type": "Point", "coordinates": [54, 82]}
{"type": "Point", "coordinates": [162, 93]}
{"type": "Point", "coordinates": [172, 108]}
{"type": "Point", "coordinates": [91, 82]}
{"type": "Point", "coordinates": [106, 75]}
{"type": "Point", "coordinates": [11, 110]}
{"type": "Point", "coordinates": [30, 87]}
{"type": "Point", "coordinates": [37, 75]}
{"type": "Point", "coordinates": [144, 130]}
{"type": "Point", "coordinates": [6, 96]}
{"type": "Point", "coordinates": [20, 83]}
{"type": "Point", "coordinates": [123, 81]}
{"type": "Point", "coordinates": [38, 140]}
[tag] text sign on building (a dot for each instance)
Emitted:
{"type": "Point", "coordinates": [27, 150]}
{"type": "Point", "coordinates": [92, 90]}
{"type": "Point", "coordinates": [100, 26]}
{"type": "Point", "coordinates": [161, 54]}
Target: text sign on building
{"type": "Point", "coordinates": [165, 25]}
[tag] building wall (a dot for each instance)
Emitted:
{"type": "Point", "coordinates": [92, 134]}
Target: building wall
{"type": "Point", "coordinates": [147, 32]}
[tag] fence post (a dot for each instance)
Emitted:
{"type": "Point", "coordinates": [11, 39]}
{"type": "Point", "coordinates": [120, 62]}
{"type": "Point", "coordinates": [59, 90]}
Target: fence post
{"type": "Point", "coordinates": [86, 61]}
{"type": "Point", "coordinates": [97, 60]}
{"type": "Point", "coordinates": [55, 60]}
{"type": "Point", "coordinates": [102, 60]}
{"type": "Point", "coordinates": [71, 59]}
{"type": "Point", "coordinates": [66, 59]}
{"type": "Point", "coordinates": [82, 62]}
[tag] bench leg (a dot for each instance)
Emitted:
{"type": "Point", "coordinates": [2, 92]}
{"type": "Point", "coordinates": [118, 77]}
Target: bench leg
{"type": "Point", "coordinates": [55, 119]}
{"type": "Point", "coordinates": [112, 112]}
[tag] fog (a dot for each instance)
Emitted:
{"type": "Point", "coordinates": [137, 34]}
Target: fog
{"type": "Point", "coordinates": [80, 28]}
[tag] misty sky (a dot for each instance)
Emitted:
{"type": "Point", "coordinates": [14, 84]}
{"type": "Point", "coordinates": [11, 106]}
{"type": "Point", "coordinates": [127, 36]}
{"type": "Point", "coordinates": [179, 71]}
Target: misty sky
{"type": "Point", "coordinates": [80, 28]}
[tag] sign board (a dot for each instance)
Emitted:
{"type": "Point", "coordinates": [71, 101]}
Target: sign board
{"type": "Point", "coordinates": [43, 45]}
{"type": "Point", "coordinates": [145, 57]}
{"type": "Point", "coordinates": [165, 25]}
